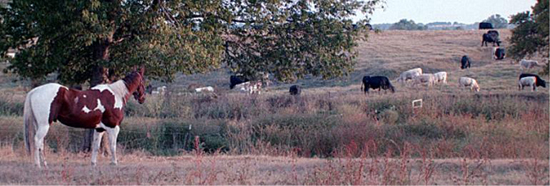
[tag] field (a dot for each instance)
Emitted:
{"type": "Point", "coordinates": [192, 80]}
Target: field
{"type": "Point", "coordinates": [331, 134]}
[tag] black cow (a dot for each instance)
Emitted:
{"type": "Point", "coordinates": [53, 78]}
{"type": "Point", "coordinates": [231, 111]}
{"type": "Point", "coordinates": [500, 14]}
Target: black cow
{"type": "Point", "coordinates": [491, 36]}
{"type": "Point", "coordinates": [540, 81]}
{"type": "Point", "coordinates": [377, 82]}
{"type": "Point", "coordinates": [235, 80]}
{"type": "Point", "coordinates": [499, 53]}
{"type": "Point", "coordinates": [485, 25]}
{"type": "Point", "coordinates": [295, 90]}
{"type": "Point", "coordinates": [465, 62]}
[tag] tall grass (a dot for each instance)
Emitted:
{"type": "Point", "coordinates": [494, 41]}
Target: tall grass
{"type": "Point", "coordinates": [321, 125]}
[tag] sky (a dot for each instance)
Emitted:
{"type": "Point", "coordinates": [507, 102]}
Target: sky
{"type": "Point", "coordinates": [462, 11]}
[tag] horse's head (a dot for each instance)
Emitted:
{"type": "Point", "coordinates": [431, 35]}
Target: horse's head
{"type": "Point", "coordinates": [139, 93]}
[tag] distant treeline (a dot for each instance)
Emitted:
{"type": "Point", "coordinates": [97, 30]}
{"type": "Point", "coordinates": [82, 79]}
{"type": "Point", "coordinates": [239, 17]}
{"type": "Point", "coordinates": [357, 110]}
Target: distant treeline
{"type": "Point", "coordinates": [404, 24]}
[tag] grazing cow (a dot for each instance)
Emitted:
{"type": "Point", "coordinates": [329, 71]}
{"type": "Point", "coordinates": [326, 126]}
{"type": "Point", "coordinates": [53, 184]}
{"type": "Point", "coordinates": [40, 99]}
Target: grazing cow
{"type": "Point", "coordinates": [528, 81]}
{"type": "Point", "coordinates": [424, 78]}
{"type": "Point", "coordinates": [468, 82]}
{"type": "Point", "coordinates": [441, 77]}
{"type": "Point", "coordinates": [491, 36]}
{"type": "Point", "coordinates": [540, 82]}
{"type": "Point", "coordinates": [235, 80]}
{"type": "Point", "coordinates": [524, 63]}
{"type": "Point", "coordinates": [409, 74]}
{"type": "Point", "coordinates": [205, 89]}
{"type": "Point", "coordinates": [485, 25]}
{"type": "Point", "coordinates": [465, 62]}
{"type": "Point", "coordinates": [159, 90]}
{"type": "Point", "coordinates": [498, 53]}
{"type": "Point", "coordinates": [295, 90]}
{"type": "Point", "coordinates": [250, 87]}
{"type": "Point", "coordinates": [377, 82]}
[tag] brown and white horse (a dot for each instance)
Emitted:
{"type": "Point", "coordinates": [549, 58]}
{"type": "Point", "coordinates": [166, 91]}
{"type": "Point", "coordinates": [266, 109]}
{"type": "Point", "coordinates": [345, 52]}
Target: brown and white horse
{"type": "Point", "coordinates": [99, 108]}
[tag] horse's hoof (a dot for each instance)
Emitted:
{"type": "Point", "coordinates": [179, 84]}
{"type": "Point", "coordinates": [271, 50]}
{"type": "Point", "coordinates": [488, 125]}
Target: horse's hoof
{"type": "Point", "coordinates": [114, 163]}
{"type": "Point", "coordinates": [94, 164]}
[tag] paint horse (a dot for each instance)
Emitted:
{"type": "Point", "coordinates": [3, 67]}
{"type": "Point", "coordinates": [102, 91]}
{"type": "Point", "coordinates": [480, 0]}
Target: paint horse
{"type": "Point", "coordinates": [99, 108]}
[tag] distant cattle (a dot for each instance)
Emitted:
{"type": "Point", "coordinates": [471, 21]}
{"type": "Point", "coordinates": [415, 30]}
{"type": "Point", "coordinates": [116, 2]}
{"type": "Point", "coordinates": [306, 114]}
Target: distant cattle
{"type": "Point", "coordinates": [428, 79]}
{"type": "Point", "coordinates": [409, 74]}
{"type": "Point", "coordinates": [465, 62]}
{"type": "Point", "coordinates": [485, 25]}
{"type": "Point", "coordinates": [468, 82]}
{"type": "Point", "coordinates": [528, 81]}
{"type": "Point", "coordinates": [524, 63]}
{"type": "Point", "coordinates": [159, 90]}
{"type": "Point", "coordinates": [498, 53]}
{"type": "Point", "coordinates": [441, 77]}
{"type": "Point", "coordinates": [205, 89]}
{"type": "Point", "coordinates": [377, 82]}
{"type": "Point", "coordinates": [251, 87]}
{"type": "Point", "coordinates": [295, 90]}
{"type": "Point", "coordinates": [491, 36]}
{"type": "Point", "coordinates": [540, 82]}
{"type": "Point", "coordinates": [235, 80]}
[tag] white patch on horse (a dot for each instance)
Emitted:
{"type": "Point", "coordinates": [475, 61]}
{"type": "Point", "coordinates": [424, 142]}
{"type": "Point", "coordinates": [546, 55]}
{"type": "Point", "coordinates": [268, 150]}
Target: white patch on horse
{"type": "Point", "coordinates": [76, 100]}
{"type": "Point", "coordinates": [119, 90]}
{"type": "Point", "coordinates": [101, 88]}
{"type": "Point", "coordinates": [84, 96]}
{"type": "Point", "coordinates": [43, 95]}
{"type": "Point", "coordinates": [86, 109]}
{"type": "Point", "coordinates": [100, 107]}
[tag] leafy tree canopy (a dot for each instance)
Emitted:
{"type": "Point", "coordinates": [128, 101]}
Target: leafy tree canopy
{"type": "Point", "coordinates": [81, 39]}
{"type": "Point", "coordinates": [531, 34]}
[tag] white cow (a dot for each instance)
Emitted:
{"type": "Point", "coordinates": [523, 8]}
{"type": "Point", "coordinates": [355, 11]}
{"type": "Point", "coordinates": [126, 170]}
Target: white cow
{"type": "Point", "coordinates": [409, 74]}
{"type": "Point", "coordinates": [528, 81]}
{"type": "Point", "coordinates": [468, 82]}
{"type": "Point", "coordinates": [424, 78]}
{"type": "Point", "coordinates": [205, 89]}
{"type": "Point", "coordinates": [441, 77]}
{"type": "Point", "coordinates": [250, 87]}
{"type": "Point", "coordinates": [159, 91]}
{"type": "Point", "coordinates": [524, 63]}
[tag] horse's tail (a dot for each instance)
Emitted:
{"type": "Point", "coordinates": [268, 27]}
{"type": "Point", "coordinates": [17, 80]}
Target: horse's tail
{"type": "Point", "coordinates": [30, 122]}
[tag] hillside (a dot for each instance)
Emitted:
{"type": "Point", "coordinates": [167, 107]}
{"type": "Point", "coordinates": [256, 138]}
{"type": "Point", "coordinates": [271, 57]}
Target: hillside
{"type": "Point", "coordinates": [390, 52]}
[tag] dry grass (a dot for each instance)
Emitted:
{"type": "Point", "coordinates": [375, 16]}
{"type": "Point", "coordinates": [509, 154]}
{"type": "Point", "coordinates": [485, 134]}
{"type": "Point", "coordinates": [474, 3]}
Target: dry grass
{"type": "Point", "coordinates": [140, 168]}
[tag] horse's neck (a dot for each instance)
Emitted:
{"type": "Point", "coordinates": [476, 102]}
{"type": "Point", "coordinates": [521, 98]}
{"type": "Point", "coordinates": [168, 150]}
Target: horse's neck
{"type": "Point", "coordinates": [119, 88]}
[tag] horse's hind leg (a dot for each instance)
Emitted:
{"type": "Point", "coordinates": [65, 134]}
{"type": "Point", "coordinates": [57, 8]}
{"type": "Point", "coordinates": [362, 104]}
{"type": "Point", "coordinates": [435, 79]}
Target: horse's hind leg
{"type": "Point", "coordinates": [113, 134]}
{"type": "Point", "coordinates": [39, 145]}
{"type": "Point", "coordinates": [95, 145]}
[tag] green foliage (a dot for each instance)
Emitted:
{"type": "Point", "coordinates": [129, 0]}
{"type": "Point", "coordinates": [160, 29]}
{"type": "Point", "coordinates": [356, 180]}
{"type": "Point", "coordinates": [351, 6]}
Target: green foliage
{"type": "Point", "coordinates": [405, 24]}
{"type": "Point", "coordinates": [286, 38]}
{"type": "Point", "coordinates": [497, 21]}
{"type": "Point", "coordinates": [531, 34]}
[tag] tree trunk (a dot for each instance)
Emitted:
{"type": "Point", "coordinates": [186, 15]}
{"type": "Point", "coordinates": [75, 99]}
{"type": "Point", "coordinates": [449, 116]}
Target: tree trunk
{"type": "Point", "coordinates": [100, 75]}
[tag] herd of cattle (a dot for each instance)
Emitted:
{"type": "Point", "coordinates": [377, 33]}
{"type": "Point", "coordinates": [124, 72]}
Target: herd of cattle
{"type": "Point", "coordinates": [415, 76]}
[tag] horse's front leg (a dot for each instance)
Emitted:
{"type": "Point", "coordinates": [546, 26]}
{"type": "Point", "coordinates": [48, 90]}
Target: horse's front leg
{"type": "Point", "coordinates": [95, 145]}
{"type": "Point", "coordinates": [113, 134]}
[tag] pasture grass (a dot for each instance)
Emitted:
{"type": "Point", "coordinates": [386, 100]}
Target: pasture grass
{"type": "Point", "coordinates": [331, 134]}
{"type": "Point", "coordinates": [196, 168]}
{"type": "Point", "coordinates": [508, 124]}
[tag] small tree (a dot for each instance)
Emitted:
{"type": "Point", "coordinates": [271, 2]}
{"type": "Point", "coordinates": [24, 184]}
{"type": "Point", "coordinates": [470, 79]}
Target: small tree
{"type": "Point", "coordinates": [497, 21]}
{"type": "Point", "coordinates": [405, 24]}
{"type": "Point", "coordinates": [531, 34]}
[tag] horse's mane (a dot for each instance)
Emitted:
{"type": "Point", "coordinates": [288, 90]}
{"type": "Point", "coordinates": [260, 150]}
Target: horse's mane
{"type": "Point", "coordinates": [132, 80]}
